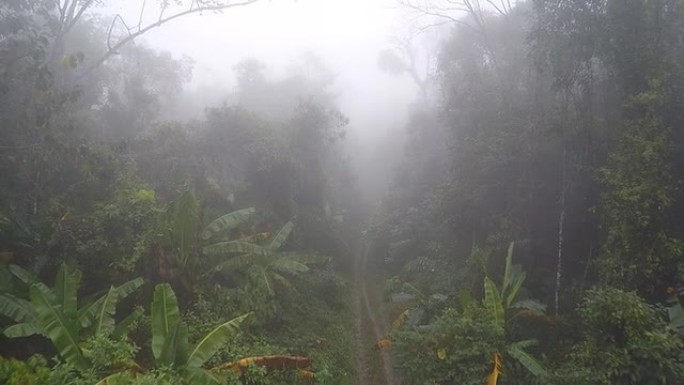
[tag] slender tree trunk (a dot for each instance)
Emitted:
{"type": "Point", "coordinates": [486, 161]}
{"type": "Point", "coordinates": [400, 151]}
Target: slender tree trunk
{"type": "Point", "coordinates": [561, 222]}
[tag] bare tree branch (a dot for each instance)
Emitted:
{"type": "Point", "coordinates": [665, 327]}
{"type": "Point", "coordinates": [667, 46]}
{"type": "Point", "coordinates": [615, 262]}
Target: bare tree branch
{"type": "Point", "coordinates": [62, 11]}
{"type": "Point", "coordinates": [430, 12]}
{"type": "Point", "coordinates": [111, 29]}
{"type": "Point", "coordinates": [72, 9]}
{"type": "Point", "coordinates": [142, 11]}
{"type": "Point", "coordinates": [112, 49]}
{"type": "Point", "coordinates": [501, 11]}
{"type": "Point", "coordinates": [78, 15]}
{"type": "Point", "coordinates": [431, 25]}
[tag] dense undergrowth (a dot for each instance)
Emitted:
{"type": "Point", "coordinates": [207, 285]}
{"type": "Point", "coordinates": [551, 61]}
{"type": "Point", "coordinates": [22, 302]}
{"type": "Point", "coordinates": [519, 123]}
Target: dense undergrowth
{"type": "Point", "coordinates": [136, 249]}
{"type": "Point", "coordinates": [554, 125]}
{"type": "Point", "coordinates": [533, 233]}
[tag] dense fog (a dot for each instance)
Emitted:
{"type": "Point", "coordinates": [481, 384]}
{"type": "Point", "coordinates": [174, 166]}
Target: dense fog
{"type": "Point", "coordinates": [367, 192]}
{"type": "Point", "coordinates": [346, 36]}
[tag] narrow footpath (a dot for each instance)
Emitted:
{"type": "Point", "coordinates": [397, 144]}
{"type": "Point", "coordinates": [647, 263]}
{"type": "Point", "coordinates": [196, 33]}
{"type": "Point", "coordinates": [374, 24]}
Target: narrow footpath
{"type": "Point", "coordinates": [374, 367]}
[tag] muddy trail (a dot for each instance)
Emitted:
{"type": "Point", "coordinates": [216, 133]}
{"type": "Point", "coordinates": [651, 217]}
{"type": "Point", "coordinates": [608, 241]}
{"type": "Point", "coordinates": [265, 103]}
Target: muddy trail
{"type": "Point", "coordinates": [374, 367]}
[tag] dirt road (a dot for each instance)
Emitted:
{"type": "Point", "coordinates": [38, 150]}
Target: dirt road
{"type": "Point", "coordinates": [371, 326]}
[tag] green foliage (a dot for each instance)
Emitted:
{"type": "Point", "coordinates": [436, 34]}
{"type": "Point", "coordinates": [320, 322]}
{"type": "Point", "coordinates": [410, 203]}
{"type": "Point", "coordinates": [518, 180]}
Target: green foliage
{"type": "Point", "coordinates": [637, 201]}
{"type": "Point", "coordinates": [631, 336]}
{"type": "Point", "coordinates": [170, 344]}
{"type": "Point", "coordinates": [33, 371]}
{"type": "Point", "coordinates": [164, 319]}
{"type": "Point", "coordinates": [53, 312]}
{"type": "Point", "coordinates": [105, 354]}
{"type": "Point", "coordinates": [469, 339]}
{"type": "Point", "coordinates": [264, 268]}
{"type": "Point", "coordinates": [181, 227]}
{"type": "Point", "coordinates": [118, 230]}
{"type": "Point", "coordinates": [459, 346]}
{"type": "Point", "coordinates": [227, 222]}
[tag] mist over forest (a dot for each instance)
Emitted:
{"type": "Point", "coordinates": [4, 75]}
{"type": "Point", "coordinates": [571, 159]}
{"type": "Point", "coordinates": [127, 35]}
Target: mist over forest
{"type": "Point", "coordinates": [360, 192]}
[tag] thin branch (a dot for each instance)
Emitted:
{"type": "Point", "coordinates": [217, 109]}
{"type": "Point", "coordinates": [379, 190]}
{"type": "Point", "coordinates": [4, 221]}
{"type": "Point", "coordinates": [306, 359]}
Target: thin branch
{"type": "Point", "coordinates": [62, 11]}
{"type": "Point", "coordinates": [111, 29]}
{"type": "Point", "coordinates": [113, 49]}
{"type": "Point", "coordinates": [58, 3]}
{"type": "Point", "coordinates": [428, 12]}
{"type": "Point", "coordinates": [493, 4]}
{"type": "Point", "coordinates": [431, 25]}
{"type": "Point", "coordinates": [73, 21]}
{"type": "Point", "coordinates": [142, 10]}
{"type": "Point", "coordinates": [72, 10]}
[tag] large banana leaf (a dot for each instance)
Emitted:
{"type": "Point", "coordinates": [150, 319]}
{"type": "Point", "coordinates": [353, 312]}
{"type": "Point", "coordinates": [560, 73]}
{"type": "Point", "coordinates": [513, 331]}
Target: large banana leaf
{"type": "Point", "coordinates": [281, 280]}
{"type": "Point", "coordinates": [104, 321]}
{"type": "Point", "coordinates": [513, 279]}
{"type": "Point", "coordinates": [212, 342]}
{"type": "Point", "coordinates": [127, 288]}
{"type": "Point", "coordinates": [236, 263]}
{"type": "Point", "coordinates": [24, 275]}
{"type": "Point", "coordinates": [184, 219]}
{"type": "Point", "coordinates": [57, 327]}
{"type": "Point", "coordinates": [508, 269]}
{"type": "Point", "coordinates": [66, 287]}
{"type": "Point", "coordinates": [23, 329]}
{"type": "Point", "coordinates": [175, 349]}
{"type": "Point", "coordinates": [529, 304]}
{"type": "Point", "coordinates": [288, 266]}
{"type": "Point", "coordinates": [20, 310]}
{"type": "Point", "coordinates": [87, 313]}
{"type": "Point", "coordinates": [222, 249]}
{"type": "Point", "coordinates": [516, 350]}
{"type": "Point", "coordinates": [226, 222]}
{"type": "Point", "coordinates": [517, 279]}
{"type": "Point", "coordinates": [165, 316]}
{"type": "Point", "coordinates": [492, 302]}
{"type": "Point", "coordinates": [281, 237]}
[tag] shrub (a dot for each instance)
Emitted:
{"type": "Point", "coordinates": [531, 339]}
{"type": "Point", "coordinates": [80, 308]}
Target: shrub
{"type": "Point", "coordinates": [626, 341]}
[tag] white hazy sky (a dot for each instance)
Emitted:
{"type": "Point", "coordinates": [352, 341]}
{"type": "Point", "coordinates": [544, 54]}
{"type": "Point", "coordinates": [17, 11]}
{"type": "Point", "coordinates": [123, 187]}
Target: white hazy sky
{"type": "Point", "coordinates": [347, 34]}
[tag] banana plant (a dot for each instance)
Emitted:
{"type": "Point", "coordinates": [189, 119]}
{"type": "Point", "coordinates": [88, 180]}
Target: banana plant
{"type": "Point", "coordinates": [265, 262]}
{"type": "Point", "coordinates": [170, 346]}
{"type": "Point", "coordinates": [502, 305]}
{"type": "Point", "coordinates": [54, 312]}
{"type": "Point", "coordinates": [181, 236]}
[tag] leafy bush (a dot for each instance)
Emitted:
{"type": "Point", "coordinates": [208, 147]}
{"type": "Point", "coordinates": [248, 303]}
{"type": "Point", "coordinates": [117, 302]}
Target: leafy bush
{"type": "Point", "coordinates": [626, 341]}
{"type": "Point", "coordinates": [105, 354]}
{"type": "Point", "coordinates": [33, 371]}
{"type": "Point", "coordinates": [455, 349]}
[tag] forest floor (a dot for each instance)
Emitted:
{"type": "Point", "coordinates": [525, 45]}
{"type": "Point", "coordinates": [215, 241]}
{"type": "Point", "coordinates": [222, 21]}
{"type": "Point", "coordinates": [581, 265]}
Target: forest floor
{"type": "Point", "coordinates": [374, 367]}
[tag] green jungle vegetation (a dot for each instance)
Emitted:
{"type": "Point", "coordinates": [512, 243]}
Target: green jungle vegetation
{"type": "Point", "coordinates": [533, 234]}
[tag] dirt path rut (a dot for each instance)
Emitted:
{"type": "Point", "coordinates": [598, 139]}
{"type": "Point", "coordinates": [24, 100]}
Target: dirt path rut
{"type": "Point", "coordinates": [371, 326]}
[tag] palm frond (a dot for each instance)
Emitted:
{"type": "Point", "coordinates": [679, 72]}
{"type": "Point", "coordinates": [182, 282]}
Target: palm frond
{"type": "Point", "coordinates": [222, 249]}
{"type": "Point", "coordinates": [516, 350]}
{"type": "Point", "coordinates": [281, 237]}
{"type": "Point", "coordinates": [226, 222]}
{"type": "Point", "coordinates": [288, 266]}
